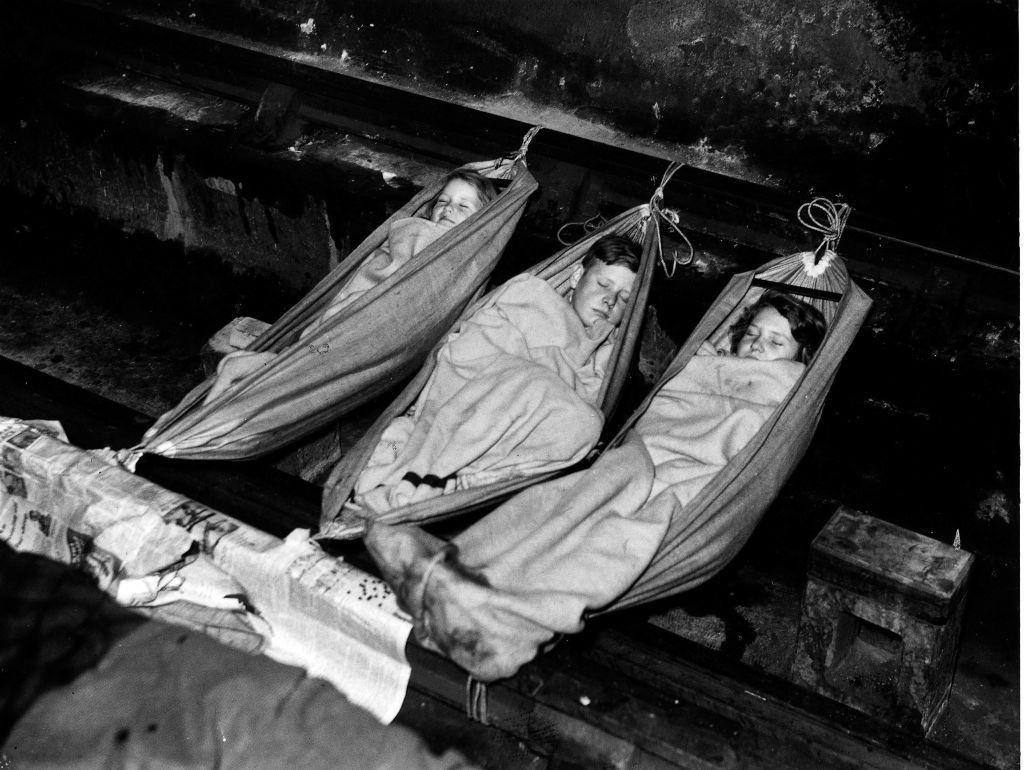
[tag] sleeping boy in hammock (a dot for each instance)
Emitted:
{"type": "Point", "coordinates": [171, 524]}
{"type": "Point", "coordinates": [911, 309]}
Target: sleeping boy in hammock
{"type": "Point", "coordinates": [463, 194]}
{"type": "Point", "coordinates": [514, 389]}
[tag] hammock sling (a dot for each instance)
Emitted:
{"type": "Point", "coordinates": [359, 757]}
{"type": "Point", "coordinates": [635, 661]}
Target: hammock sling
{"type": "Point", "coordinates": [373, 343]}
{"type": "Point", "coordinates": [639, 223]}
{"type": "Point", "coordinates": [597, 540]}
{"type": "Point", "coordinates": [720, 519]}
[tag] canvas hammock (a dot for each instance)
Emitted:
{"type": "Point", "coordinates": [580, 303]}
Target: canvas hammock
{"type": "Point", "coordinates": [371, 345]}
{"type": "Point", "coordinates": [642, 225]}
{"type": "Point", "coordinates": [600, 539]}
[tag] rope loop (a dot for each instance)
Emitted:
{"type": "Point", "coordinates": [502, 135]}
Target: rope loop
{"type": "Point", "coordinates": [671, 217]}
{"type": "Point", "coordinates": [596, 222]}
{"type": "Point", "coordinates": [823, 216]}
{"type": "Point", "coordinates": [476, 700]}
{"type": "Point", "coordinates": [659, 192]}
{"type": "Point", "coordinates": [655, 212]}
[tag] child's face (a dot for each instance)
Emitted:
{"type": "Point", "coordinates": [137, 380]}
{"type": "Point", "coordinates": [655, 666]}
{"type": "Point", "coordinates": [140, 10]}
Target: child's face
{"type": "Point", "coordinates": [603, 293]}
{"type": "Point", "coordinates": [768, 338]}
{"type": "Point", "coordinates": [456, 201]}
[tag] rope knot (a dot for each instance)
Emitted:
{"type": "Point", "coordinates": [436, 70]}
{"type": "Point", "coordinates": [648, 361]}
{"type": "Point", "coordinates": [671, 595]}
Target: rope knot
{"type": "Point", "coordinates": [672, 218]}
{"type": "Point", "coordinates": [527, 138]}
{"type": "Point", "coordinates": [823, 216]}
{"type": "Point", "coordinates": [129, 458]}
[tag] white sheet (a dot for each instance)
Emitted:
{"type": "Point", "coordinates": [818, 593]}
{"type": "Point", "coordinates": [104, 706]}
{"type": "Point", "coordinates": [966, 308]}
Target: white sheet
{"type": "Point", "coordinates": [513, 393]}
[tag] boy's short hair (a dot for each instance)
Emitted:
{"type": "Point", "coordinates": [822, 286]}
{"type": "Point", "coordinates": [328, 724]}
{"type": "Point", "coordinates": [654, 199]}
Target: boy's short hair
{"type": "Point", "coordinates": [485, 187]}
{"type": "Point", "coordinates": [614, 250]}
{"type": "Point", "coordinates": [806, 323]}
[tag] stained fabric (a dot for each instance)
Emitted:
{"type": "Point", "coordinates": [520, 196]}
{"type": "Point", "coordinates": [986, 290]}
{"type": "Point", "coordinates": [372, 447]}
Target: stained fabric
{"type": "Point", "coordinates": [373, 342]}
{"type": "Point", "coordinates": [653, 516]}
{"type": "Point", "coordinates": [339, 521]}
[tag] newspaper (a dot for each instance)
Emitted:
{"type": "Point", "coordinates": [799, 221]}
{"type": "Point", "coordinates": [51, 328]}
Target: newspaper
{"type": "Point", "coordinates": [146, 545]}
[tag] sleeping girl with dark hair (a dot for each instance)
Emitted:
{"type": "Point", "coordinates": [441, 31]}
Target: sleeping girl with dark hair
{"type": "Point", "coordinates": [778, 326]}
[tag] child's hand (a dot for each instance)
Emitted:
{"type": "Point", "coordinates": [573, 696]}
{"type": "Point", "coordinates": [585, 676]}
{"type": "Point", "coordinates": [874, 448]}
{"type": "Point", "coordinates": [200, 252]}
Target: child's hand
{"type": "Point", "coordinates": [600, 329]}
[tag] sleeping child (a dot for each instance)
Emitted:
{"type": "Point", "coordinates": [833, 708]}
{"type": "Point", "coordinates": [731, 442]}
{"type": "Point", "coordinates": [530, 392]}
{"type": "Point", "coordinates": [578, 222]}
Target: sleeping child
{"type": "Point", "coordinates": [705, 415]}
{"type": "Point", "coordinates": [515, 388]}
{"type": "Point", "coordinates": [463, 194]}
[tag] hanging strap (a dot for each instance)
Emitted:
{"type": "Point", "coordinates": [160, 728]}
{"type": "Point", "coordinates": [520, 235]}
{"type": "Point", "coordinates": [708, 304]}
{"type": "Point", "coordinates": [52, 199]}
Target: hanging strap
{"type": "Point", "coordinates": [671, 217]}
{"type": "Point", "coordinates": [800, 291]}
{"type": "Point", "coordinates": [823, 216]}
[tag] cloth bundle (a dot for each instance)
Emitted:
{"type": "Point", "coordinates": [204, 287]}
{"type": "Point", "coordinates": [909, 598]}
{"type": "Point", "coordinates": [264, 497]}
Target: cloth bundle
{"type": "Point", "coordinates": [514, 392]}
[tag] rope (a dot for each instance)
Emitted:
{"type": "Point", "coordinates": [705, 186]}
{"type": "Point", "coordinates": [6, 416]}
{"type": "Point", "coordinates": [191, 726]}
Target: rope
{"type": "Point", "coordinates": [667, 215]}
{"type": "Point", "coordinates": [596, 222]}
{"type": "Point", "coordinates": [436, 559]}
{"type": "Point", "coordinates": [527, 138]}
{"type": "Point", "coordinates": [476, 700]}
{"type": "Point", "coordinates": [672, 218]}
{"type": "Point", "coordinates": [512, 158]}
{"type": "Point", "coordinates": [823, 216]}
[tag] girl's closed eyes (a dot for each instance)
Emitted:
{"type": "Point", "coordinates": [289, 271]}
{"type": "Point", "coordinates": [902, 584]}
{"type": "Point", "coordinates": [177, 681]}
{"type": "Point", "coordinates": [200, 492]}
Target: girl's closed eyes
{"type": "Point", "coordinates": [778, 327]}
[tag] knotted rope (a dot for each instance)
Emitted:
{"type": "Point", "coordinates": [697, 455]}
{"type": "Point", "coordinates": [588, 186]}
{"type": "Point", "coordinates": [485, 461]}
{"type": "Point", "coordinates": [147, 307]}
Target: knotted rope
{"type": "Point", "coordinates": [517, 156]}
{"type": "Point", "coordinates": [670, 216]}
{"type": "Point", "coordinates": [823, 216]}
{"type": "Point", "coordinates": [527, 138]}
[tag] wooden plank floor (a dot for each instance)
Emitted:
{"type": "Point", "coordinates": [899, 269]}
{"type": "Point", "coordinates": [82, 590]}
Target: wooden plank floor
{"type": "Point", "coordinates": [621, 694]}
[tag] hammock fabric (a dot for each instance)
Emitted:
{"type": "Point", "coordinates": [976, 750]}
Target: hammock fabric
{"type": "Point", "coordinates": [375, 342]}
{"type": "Point", "coordinates": [603, 539]}
{"type": "Point", "coordinates": [723, 515]}
{"type": "Point", "coordinates": [639, 223]}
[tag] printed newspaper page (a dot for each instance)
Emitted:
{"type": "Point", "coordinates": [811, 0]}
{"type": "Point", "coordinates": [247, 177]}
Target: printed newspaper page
{"type": "Point", "coordinates": [142, 541]}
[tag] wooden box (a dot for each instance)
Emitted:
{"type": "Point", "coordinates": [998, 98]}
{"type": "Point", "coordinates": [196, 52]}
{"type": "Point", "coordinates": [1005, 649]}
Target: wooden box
{"type": "Point", "coordinates": [880, 623]}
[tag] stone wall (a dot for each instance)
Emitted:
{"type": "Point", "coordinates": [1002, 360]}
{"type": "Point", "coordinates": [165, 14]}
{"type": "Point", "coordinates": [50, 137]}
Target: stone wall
{"type": "Point", "coordinates": [152, 160]}
{"type": "Point", "coordinates": [907, 109]}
